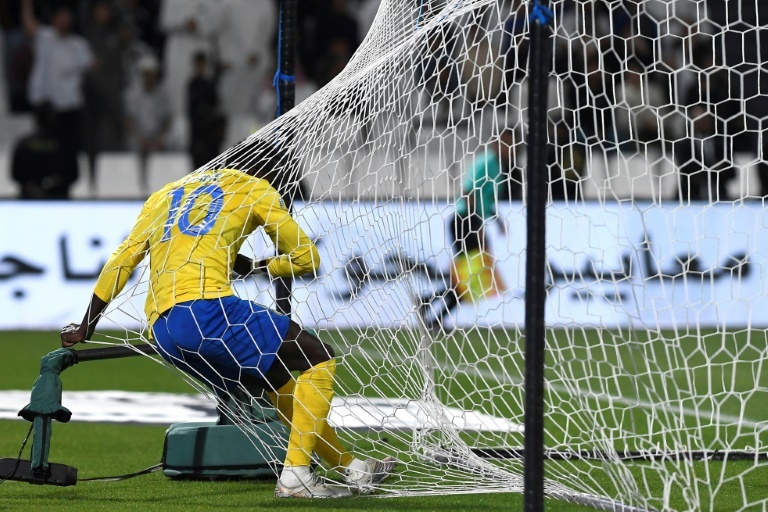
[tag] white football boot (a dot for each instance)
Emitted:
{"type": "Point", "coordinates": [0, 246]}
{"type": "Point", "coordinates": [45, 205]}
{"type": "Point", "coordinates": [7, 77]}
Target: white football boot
{"type": "Point", "coordinates": [301, 482]}
{"type": "Point", "coordinates": [363, 477]}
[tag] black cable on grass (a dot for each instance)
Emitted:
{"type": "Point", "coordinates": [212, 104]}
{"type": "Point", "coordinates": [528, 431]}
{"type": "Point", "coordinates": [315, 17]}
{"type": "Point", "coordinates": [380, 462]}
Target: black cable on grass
{"type": "Point", "coordinates": [150, 469]}
{"type": "Point", "coordinates": [18, 460]}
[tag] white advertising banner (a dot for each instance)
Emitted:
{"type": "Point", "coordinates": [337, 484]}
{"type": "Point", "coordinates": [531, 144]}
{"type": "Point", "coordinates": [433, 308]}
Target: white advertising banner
{"type": "Point", "coordinates": [637, 265]}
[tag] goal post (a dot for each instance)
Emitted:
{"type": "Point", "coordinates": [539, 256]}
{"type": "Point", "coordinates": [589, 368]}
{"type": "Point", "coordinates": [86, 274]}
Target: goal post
{"type": "Point", "coordinates": [625, 195]}
{"type": "Point", "coordinates": [536, 255]}
{"type": "Point", "coordinates": [285, 81]}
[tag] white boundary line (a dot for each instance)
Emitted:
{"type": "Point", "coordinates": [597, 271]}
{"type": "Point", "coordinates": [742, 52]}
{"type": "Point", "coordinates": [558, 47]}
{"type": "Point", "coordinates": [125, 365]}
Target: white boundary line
{"type": "Point", "coordinates": [503, 378]}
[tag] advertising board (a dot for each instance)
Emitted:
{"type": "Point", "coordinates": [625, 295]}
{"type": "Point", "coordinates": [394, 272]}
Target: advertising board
{"type": "Point", "coordinates": [619, 265]}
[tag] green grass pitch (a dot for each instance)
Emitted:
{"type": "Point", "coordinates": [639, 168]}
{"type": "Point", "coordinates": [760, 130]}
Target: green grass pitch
{"type": "Point", "coordinates": [107, 449]}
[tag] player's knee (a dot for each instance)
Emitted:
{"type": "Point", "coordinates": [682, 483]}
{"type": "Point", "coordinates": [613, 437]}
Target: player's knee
{"type": "Point", "coordinates": [317, 352]}
{"type": "Point", "coordinates": [314, 350]}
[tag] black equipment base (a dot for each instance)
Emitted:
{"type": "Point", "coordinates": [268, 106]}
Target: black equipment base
{"type": "Point", "coordinates": [59, 474]}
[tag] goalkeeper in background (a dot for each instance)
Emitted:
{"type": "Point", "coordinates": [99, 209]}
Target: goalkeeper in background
{"type": "Point", "coordinates": [473, 272]}
{"type": "Point", "coordinates": [192, 230]}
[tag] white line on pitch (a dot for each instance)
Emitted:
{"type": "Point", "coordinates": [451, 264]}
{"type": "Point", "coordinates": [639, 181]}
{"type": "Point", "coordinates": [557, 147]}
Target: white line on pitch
{"type": "Point", "coordinates": [504, 378]}
{"type": "Point", "coordinates": [636, 402]}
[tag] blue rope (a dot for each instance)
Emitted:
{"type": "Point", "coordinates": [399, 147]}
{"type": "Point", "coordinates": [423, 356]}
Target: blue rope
{"type": "Point", "coordinates": [280, 77]}
{"type": "Point", "coordinates": [276, 80]}
{"type": "Point", "coordinates": [541, 13]}
{"type": "Point", "coordinates": [418, 18]}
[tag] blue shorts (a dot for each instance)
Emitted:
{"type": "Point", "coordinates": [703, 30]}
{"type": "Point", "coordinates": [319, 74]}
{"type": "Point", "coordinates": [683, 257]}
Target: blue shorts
{"type": "Point", "coordinates": [218, 341]}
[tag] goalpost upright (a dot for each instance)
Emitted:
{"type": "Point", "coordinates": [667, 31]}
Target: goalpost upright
{"type": "Point", "coordinates": [285, 85]}
{"type": "Point", "coordinates": [535, 266]}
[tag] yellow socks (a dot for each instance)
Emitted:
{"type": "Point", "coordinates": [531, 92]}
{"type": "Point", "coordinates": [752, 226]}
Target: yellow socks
{"type": "Point", "coordinates": [303, 406]}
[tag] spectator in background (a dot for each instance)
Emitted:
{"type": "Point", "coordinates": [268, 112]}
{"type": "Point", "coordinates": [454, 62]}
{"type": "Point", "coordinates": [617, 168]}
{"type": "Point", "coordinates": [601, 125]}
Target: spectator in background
{"type": "Point", "coordinates": [336, 37]}
{"type": "Point", "coordinates": [709, 85]}
{"type": "Point", "coordinates": [190, 26]}
{"type": "Point", "coordinates": [41, 165]}
{"type": "Point", "coordinates": [142, 16]}
{"type": "Point", "coordinates": [702, 158]}
{"type": "Point", "coordinates": [19, 53]}
{"type": "Point", "coordinates": [515, 49]}
{"type": "Point", "coordinates": [438, 73]}
{"type": "Point", "coordinates": [637, 103]}
{"type": "Point", "coordinates": [134, 51]}
{"type": "Point", "coordinates": [148, 115]}
{"type": "Point", "coordinates": [512, 172]}
{"type": "Point", "coordinates": [104, 86]}
{"type": "Point", "coordinates": [741, 40]}
{"type": "Point", "coordinates": [3, 93]}
{"type": "Point", "coordinates": [332, 61]}
{"type": "Point", "coordinates": [480, 79]}
{"type": "Point", "coordinates": [635, 36]}
{"type": "Point", "coordinates": [61, 60]}
{"type": "Point", "coordinates": [245, 55]}
{"type": "Point", "coordinates": [593, 93]}
{"type": "Point", "coordinates": [206, 122]}
{"type": "Point", "coordinates": [566, 160]}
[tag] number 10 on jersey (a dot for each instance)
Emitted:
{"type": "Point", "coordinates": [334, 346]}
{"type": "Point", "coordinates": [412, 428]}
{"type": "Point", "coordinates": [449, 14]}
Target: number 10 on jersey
{"type": "Point", "coordinates": [180, 215]}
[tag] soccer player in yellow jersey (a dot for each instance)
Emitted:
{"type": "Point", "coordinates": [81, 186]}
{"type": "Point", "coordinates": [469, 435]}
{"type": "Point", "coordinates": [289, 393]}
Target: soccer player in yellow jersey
{"type": "Point", "coordinates": [192, 230]}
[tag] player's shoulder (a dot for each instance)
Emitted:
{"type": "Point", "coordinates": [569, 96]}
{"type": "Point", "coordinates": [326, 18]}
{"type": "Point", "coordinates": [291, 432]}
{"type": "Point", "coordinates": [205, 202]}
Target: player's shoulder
{"type": "Point", "coordinates": [232, 182]}
{"type": "Point", "coordinates": [160, 196]}
{"type": "Point", "coordinates": [207, 178]}
{"type": "Point", "coordinates": [233, 178]}
{"type": "Point", "coordinates": [261, 194]}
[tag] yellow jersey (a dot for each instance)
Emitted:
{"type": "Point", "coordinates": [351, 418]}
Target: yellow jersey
{"type": "Point", "coordinates": [193, 229]}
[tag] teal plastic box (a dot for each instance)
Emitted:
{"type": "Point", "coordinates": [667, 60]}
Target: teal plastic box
{"type": "Point", "coordinates": [213, 451]}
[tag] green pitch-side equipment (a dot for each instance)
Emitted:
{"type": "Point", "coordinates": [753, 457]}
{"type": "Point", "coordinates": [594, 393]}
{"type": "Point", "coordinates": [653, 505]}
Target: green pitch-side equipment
{"type": "Point", "coordinates": [246, 441]}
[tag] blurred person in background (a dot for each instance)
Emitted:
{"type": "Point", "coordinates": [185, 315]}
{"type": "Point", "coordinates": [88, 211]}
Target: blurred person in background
{"type": "Point", "coordinates": [438, 73]}
{"type": "Point", "coordinates": [703, 159]}
{"type": "Point", "coordinates": [741, 39]}
{"type": "Point", "coordinates": [3, 92]}
{"type": "Point", "coordinates": [190, 27]}
{"type": "Point", "coordinates": [61, 60]}
{"type": "Point", "coordinates": [479, 73]}
{"type": "Point", "coordinates": [104, 86]}
{"type": "Point", "coordinates": [143, 18]}
{"type": "Point", "coordinates": [41, 165]}
{"type": "Point", "coordinates": [636, 112]}
{"type": "Point", "coordinates": [134, 51]}
{"type": "Point", "coordinates": [206, 121]}
{"type": "Point", "coordinates": [566, 160]}
{"type": "Point", "coordinates": [245, 58]}
{"type": "Point", "coordinates": [331, 40]}
{"type": "Point", "coordinates": [17, 54]}
{"type": "Point", "coordinates": [592, 92]}
{"type": "Point", "coordinates": [148, 116]}
{"type": "Point", "coordinates": [512, 167]}
{"type": "Point", "coordinates": [332, 61]}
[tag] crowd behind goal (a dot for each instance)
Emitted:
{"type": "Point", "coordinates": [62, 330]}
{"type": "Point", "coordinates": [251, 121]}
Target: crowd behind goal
{"type": "Point", "coordinates": [648, 100]}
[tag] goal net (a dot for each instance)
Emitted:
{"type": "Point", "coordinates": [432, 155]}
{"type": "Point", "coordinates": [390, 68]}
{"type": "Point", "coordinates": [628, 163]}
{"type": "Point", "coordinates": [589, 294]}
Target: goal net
{"type": "Point", "coordinates": [413, 158]}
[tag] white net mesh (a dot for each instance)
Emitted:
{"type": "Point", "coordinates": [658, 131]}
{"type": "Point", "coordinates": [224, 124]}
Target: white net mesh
{"type": "Point", "coordinates": [412, 161]}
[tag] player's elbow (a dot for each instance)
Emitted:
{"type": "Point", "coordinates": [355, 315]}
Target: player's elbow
{"type": "Point", "coordinates": [312, 262]}
{"type": "Point", "coordinates": [308, 263]}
